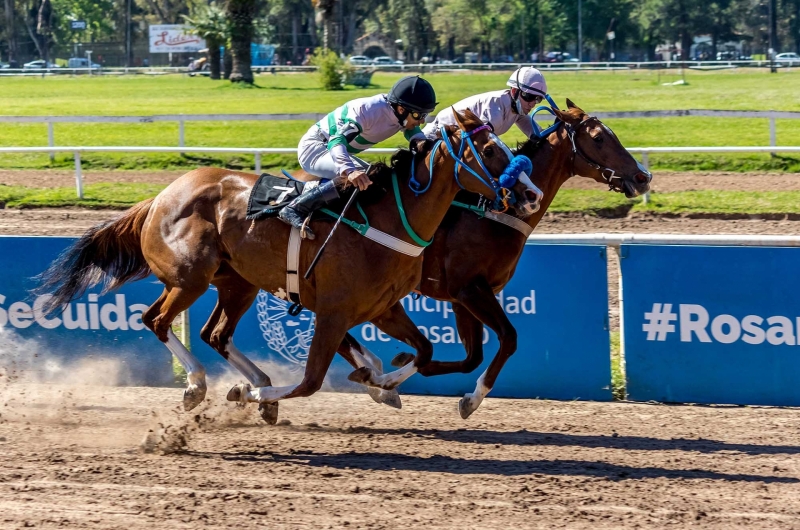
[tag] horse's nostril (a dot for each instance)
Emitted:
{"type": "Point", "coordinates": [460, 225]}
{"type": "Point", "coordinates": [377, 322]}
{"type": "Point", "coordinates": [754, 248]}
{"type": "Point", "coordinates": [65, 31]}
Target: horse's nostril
{"type": "Point", "coordinates": [641, 178]}
{"type": "Point", "coordinates": [531, 195]}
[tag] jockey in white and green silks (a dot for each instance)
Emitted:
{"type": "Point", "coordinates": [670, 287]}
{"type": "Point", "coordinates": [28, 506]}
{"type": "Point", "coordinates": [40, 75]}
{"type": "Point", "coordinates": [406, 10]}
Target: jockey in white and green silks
{"type": "Point", "coordinates": [500, 109]}
{"type": "Point", "coordinates": [326, 150]}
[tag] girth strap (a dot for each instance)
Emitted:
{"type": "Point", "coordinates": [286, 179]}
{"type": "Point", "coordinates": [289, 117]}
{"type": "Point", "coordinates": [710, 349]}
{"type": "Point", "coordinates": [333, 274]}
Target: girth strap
{"type": "Point", "coordinates": [292, 276]}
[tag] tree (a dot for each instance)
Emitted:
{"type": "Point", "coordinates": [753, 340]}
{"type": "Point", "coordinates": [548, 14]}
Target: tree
{"type": "Point", "coordinates": [210, 23]}
{"type": "Point", "coordinates": [10, 33]}
{"type": "Point", "coordinates": [240, 21]}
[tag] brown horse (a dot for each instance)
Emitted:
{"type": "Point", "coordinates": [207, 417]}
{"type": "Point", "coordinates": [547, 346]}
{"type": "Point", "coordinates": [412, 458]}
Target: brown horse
{"type": "Point", "coordinates": [194, 233]}
{"type": "Point", "coordinates": [454, 272]}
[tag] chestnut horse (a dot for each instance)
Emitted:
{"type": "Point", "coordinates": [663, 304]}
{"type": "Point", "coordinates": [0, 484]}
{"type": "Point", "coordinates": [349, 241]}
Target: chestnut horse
{"type": "Point", "coordinates": [194, 233]}
{"type": "Point", "coordinates": [454, 272]}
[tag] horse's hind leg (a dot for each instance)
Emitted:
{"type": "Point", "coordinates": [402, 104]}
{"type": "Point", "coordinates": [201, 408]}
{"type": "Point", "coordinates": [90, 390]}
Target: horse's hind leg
{"type": "Point", "coordinates": [159, 319]}
{"type": "Point", "coordinates": [235, 296]}
{"type": "Point", "coordinates": [331, 328]}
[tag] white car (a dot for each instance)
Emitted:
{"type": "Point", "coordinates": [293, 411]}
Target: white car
{"type": "Point", "coordinates": [788, 59]}
{"type": "Point", "coordinates": [38, 64]}
{"type": "Point", "coordinates": [385, 60]}
{"type": "Point", "coordinates": [360, 60]}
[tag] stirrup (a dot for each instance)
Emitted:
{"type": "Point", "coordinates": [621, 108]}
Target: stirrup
{"type": "Point", "coordinates": [305, 231]}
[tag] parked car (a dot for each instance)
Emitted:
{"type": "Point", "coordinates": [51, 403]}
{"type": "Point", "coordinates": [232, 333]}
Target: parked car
{"type": "Point", "coordinates": [788, 59]}
{"type": "Point", "coordinates": [360, 60]}
{"type": "Point", "coordinates": [385, 60]}
{"type": "Point", "coordinates": [80, 62]}
{"type": "Point", "coordinates": [38, 64]}
{"type": "Point", "coordinates": [553, 57]}
{"type": "Point", "coordinates": [504, 59]}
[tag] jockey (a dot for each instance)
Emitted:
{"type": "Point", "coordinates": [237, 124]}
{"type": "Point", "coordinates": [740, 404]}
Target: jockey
{"type": "Point", "coordinates": [500, 109]}
{"type": "Point", "coordinates": [325, 150]}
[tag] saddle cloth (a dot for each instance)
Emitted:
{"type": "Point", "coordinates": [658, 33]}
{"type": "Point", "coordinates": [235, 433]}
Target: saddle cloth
{"type": "Point", "coordinates": [270, 194]}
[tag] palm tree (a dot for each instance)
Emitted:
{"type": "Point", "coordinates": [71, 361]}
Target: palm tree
{"type": "Point", "coordinates": [325, 15]}
{"type": "Point", "coordinates": [10, 33]}
{"type": "Point", "coordinates": [240, 20]}
{"type": "Point", "coordinates": [211, 24]}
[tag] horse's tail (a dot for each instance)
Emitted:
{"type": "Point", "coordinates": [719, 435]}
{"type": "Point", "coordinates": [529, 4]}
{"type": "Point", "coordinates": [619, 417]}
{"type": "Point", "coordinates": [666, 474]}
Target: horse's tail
{"type": "Point", "coordinates": [110, 253]}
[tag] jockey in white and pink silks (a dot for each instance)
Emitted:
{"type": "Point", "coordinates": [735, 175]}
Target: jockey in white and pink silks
{"type": "Point", "coordinates": [326, 150]}
{"type": "Point", "coordinates": [500, 109]}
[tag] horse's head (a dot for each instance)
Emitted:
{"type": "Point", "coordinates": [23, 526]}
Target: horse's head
{"type": "Point", "coordinates": [486, 161]}
{"type": "Point", "coordinates": [597, 153]}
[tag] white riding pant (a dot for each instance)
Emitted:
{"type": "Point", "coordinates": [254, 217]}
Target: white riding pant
{"type": "Point", "coordinates": [314, 157]}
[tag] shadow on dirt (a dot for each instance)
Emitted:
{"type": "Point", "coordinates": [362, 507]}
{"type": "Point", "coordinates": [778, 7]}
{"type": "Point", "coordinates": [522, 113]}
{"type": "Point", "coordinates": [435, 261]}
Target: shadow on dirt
{"type": "Point", "coordinates": [447, 464]}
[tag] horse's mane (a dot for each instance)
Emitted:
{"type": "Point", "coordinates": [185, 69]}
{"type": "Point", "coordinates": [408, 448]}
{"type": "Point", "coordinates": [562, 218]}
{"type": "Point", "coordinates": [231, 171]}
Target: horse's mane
{"type": "Point", "coordinates": [381, 173]}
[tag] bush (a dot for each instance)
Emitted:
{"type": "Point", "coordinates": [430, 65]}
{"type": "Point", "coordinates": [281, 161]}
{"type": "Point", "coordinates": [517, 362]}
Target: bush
{"type": "Point", "coordinates": [332, 71]}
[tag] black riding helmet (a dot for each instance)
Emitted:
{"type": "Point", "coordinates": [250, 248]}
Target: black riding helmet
{"type": "Point", "coordinates": [413, 93]}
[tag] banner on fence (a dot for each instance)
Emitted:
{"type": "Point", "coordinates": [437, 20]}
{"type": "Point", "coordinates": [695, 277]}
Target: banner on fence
{"type": "Point", "coordinates": [105, 328]}
{"type": "Point", "coordinates": [166, 38]}
{"type": "Point", "coordinates": [712, 324]}
{"type": "Point", "coordinates": [557, 300]}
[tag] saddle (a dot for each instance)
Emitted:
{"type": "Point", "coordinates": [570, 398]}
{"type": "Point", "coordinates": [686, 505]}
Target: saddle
{"type": "Point", "coordinates": [270, 194]}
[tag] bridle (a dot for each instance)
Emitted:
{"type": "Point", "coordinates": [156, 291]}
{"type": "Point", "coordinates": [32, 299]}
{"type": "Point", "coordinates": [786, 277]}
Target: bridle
{"type": "Point", "coordinates": [608, 174]}
{"type": "Point", "coordinates": [504, 196]}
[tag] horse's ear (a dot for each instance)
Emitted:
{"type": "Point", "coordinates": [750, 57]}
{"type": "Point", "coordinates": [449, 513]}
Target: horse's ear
{"type": "Point", "coordinates": [460, 120]}
{"type": "Point", "coordinates": [567, 116]}
{"type": "Point", "coordinates": [571, 105]}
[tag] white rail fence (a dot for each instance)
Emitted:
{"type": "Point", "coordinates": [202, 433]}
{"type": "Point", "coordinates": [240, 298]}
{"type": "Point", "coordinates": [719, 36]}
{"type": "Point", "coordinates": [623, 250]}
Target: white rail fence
{"type": "Point", "coordinates": [258, 152]}
{"type": "Point", "coordinates": [444, 67]}
{"type": "Point", "coordinates": [181, 119]}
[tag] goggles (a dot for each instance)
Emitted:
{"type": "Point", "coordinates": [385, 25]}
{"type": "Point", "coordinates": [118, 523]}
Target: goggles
{"type": "Point", "coordinates": [419, 116]}
{"type": "Point", "coordinates": [530, 98]}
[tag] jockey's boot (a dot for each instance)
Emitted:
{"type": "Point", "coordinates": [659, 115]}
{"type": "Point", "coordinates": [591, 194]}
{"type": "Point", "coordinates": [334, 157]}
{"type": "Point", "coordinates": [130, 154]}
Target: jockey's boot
{"type": "Point", "coordinates": [295, 212]}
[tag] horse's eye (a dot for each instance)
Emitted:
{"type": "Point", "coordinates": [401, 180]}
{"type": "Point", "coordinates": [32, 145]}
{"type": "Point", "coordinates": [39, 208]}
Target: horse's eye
{"type": "Point", "coordinates": [488, 152]}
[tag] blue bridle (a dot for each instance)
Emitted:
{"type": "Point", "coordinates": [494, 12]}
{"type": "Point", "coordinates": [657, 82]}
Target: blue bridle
{"type": "Point", "coordinates": [537, 130]}
{"type": "Point", "coordinates": [500, 187]}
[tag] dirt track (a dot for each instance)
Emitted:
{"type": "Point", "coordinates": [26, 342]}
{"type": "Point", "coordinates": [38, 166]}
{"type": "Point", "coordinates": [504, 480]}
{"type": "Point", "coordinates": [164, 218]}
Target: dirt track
{"type": "Point", "coordinates": [72, 457]}
{"type": "Point", "coordinates": [74, 460]}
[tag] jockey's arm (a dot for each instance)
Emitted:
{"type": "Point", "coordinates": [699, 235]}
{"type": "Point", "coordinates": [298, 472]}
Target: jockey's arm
{"type": "Point", "coordinates": [524, 124]}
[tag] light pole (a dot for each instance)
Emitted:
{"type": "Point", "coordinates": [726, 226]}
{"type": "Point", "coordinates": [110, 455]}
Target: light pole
{"type": "Point", "coordinates": [580, 33]}
{"type": "Point", "coordinates": [128, 37]}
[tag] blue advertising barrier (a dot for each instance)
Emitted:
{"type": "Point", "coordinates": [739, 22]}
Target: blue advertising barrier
{"type": "Point", "coordinates": [712, 324]}
{"type": "Point", "coordinates": [557, 300]}
{"type": "Point", "coordinates": [108, 326]}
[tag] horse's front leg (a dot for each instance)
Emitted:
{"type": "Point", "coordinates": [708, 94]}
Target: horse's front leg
{"type": "Point", "coordinates": [360, 356]}
{"type": "Point", "coordinates": [331, 328]}
{"type": "Point", "coordinates": [470, 329]}
{"type": "Point", "coordinates": [480, 300]}
{"type": "Point", "coordinates": [396, 323]}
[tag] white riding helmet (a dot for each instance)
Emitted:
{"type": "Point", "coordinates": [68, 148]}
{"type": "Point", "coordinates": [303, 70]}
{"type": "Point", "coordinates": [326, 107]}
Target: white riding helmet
{"type": "Point", "coordinates": [528, 79]}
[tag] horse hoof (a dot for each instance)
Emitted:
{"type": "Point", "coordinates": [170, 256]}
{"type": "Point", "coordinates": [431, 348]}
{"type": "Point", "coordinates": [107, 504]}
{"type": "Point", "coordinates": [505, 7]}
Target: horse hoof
{"type": "Point", "coordinates": [238, 392]}
{"type": "Point", "coordinates": [466, 407]}
{"type": "Point", "coordinates": [360, 375]}
{"type": "Point", "coordinates": [402, 359]}
{"type": "Point", "coordinates": [269, 412]}
{"type": "Point", "coordinates": [193, 396]}
{"type": "Point", "coordinates": [385, 397]}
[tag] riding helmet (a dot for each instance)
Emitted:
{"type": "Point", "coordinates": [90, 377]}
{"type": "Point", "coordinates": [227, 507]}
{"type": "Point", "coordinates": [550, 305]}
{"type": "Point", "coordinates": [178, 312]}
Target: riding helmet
{"type": "Point", "coordinates": [413, 93]}
{"type": "Point", "coordinates": [528, 79]}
